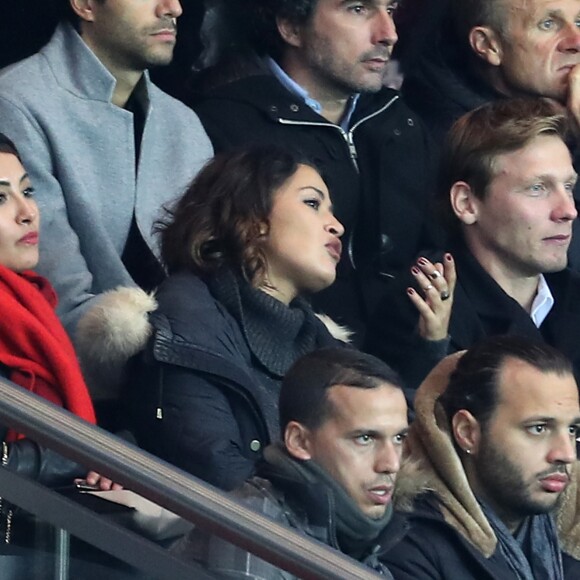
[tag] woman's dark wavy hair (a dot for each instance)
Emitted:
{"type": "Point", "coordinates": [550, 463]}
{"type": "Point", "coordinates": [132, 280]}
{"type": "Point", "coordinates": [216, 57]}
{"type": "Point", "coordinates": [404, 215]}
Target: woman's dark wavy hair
{"type": "Point", "coordinates": [224, 214]}
{"type": "Point", "coordinates": [7, 146]}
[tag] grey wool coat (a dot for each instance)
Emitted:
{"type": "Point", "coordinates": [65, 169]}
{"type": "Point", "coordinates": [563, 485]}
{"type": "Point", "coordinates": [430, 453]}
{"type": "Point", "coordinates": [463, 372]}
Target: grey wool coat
{"type": "Point", "coordinates": [79, 150]}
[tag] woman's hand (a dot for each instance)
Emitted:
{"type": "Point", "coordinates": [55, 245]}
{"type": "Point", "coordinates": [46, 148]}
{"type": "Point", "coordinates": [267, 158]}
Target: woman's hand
{"type": "Point", "coordinates": [99, 482]}
{"type": "Point", "coordinates": [437, 282]}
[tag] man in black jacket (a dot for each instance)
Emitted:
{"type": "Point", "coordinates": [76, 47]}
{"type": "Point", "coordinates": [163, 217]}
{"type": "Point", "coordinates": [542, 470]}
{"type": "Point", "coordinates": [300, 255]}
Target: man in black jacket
{"type": "Point", "coordinates": [344, 420]}
{"type": "Point", "coordinates": [491, 491]}
{"type": "Point", "coordinates": [314, 84]}
{"type": "Point", "coordinates": [465, 53]}
{"type": "Point", "coordinates": [506, 197]}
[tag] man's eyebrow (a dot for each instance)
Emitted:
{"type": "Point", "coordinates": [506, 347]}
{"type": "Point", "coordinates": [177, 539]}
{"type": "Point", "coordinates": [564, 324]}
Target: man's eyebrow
{"type": "Point", "coordinates": [545, 419]}
{"type": "Point", "coordinates": [24, 177]}
{"type": "Point", "coordinates": [539, 419]}
{"type": "Point", "coordinates": [552, 178]}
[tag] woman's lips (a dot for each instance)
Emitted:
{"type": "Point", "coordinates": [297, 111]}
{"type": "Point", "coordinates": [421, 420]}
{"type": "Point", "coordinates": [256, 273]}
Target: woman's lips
{"type": "Point", "coordinates": [335, 249]}
{"type": "Point", "coordinates": [31, 238]}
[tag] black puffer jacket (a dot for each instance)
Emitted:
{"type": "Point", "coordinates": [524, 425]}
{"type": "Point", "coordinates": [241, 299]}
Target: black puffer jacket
{"type": "Point", "coordinates": [199, 397]}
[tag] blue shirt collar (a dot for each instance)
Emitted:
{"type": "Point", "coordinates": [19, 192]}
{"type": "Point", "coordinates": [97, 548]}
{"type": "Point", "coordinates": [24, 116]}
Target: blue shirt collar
{"type": "Point", "coordinates": [297, 90]}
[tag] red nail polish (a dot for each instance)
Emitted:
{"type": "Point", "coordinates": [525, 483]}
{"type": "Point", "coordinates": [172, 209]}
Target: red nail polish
{"type": "Point", "coordinates": [449, 257]}
{"type": "Point", "coordinates": [415, 270]}
{"type": "Point", "coordinates": [410, 291]}
{"type": "Point", "coordinates": [422, 261]}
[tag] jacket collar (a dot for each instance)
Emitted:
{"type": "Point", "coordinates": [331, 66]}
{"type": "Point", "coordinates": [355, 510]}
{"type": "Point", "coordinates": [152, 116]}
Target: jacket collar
{"type": "Point", "coordinates": [264, 91]}
{"type": "Point", "coordinates": [478, 297]}
{"type": "Point", "coordinates": [79, 71]}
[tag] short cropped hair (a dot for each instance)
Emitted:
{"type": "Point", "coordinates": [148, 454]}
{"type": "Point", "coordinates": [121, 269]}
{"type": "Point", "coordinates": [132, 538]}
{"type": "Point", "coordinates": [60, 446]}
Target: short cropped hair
{"type": "Point", "coordinates": [224, 214]}
{"type": "Point", "coordinates": [470, 13]}
{"type": "Point", "coordinates": [7, 146]}
{"type": "Point", "coordinates": [474, 383]}
{"type": "Point", "coordinates": [304, 394]}
{"type": "Point", "coordinates": [479, 137]}
{"type": "Point", "coordinates": [265, 15]}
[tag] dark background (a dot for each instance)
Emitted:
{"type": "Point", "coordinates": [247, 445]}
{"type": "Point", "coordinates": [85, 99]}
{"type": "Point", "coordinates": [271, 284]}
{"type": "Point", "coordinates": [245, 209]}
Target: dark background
{"type": "Point", "coordinates": [26, 25]}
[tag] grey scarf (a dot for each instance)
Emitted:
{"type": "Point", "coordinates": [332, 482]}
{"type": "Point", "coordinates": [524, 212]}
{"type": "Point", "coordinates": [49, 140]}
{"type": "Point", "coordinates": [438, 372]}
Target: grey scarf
{"type": "Point", "coordinates": [533, 553]}
{"type": "Point", "coordinates": [355, 532]}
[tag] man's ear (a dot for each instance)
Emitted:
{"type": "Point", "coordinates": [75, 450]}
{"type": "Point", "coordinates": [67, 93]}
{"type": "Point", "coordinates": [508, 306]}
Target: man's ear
{"type": "Point", "coordinates": [486, 44]}
{"type": "Point", "coordinates": [466, 431]}
{"type": "Point", "coordinates": [290, 32]}
{"type": "Point", "coordinates": [83, 9]}
{"type": "Point", "coordinates": [297, 440]}
{"type": "Point", "coordinates": [463, 202]}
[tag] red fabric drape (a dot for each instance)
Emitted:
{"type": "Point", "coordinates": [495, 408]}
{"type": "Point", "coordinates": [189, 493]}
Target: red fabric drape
{"type": "Point", "coordinates": [35, 346]}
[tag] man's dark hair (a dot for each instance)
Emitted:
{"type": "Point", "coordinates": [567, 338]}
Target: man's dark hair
{"type": "Point", "coordinates": [265, 15]}
{"type": "Point", "coordinates": [304, 394]}
{"type": "Point", "coordinates": [473, 385]}
{"type": "Point", "coordinates": [7, 146]}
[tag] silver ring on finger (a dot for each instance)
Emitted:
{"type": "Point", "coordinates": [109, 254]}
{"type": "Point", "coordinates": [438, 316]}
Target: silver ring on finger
{"type": "Point", "coordinates": [434, 275]}
{"type": "Point", "coordinates": [445, 295]}
{"type": "Point", "coordinates": [427, 288]}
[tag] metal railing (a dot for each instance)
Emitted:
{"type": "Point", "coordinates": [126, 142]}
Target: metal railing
{"type": "Point", "coordinates": [170, 488]}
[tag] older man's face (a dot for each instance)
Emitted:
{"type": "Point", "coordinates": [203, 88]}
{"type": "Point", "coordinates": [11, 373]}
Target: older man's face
{"type": "Point", "coordinates": [539, 48]}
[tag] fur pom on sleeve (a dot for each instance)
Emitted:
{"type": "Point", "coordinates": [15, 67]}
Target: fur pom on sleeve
{"type": "Point", "coordinates": [111, 332]}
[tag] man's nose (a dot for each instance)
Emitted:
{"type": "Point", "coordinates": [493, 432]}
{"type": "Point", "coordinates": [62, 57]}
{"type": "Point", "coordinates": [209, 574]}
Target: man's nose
{"type": "Point", "coordinates": [563, 449]}
{"type": "Point", "coordinates": [385, 31]}
{"type": "Point", "coordinates": [388, 459]}
{"type": "Point", "coordinates": [170, 8]}
{"type": "Point", "coordinates": [571, 38]}
{"type": "Point", "coordinates": [565, 209]}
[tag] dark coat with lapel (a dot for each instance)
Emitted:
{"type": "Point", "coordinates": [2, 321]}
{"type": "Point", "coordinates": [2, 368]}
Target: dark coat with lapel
{"type": "Point", "coordinates": [480, 309]}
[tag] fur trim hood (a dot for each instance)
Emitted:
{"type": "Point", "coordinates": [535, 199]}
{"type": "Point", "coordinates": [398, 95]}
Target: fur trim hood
{"type": "Point", "coordinates": [433, 465]}
{"type": "Point", "coordinates": [117, 327]}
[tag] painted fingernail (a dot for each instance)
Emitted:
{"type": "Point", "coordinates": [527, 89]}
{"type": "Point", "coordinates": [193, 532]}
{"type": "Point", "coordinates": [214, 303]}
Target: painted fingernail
{"type": "Point", "coordinates": [449, 257]}
{"type": "Point", "coordinates": [415, 270]}
{"type": "Point", "coordinates": [422, 261]}
{"type": "Point", "coordinates": [410, 291]}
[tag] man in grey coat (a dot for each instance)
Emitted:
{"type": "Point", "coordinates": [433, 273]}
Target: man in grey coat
{"type": "Point", "coordinates": [105, 148]}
